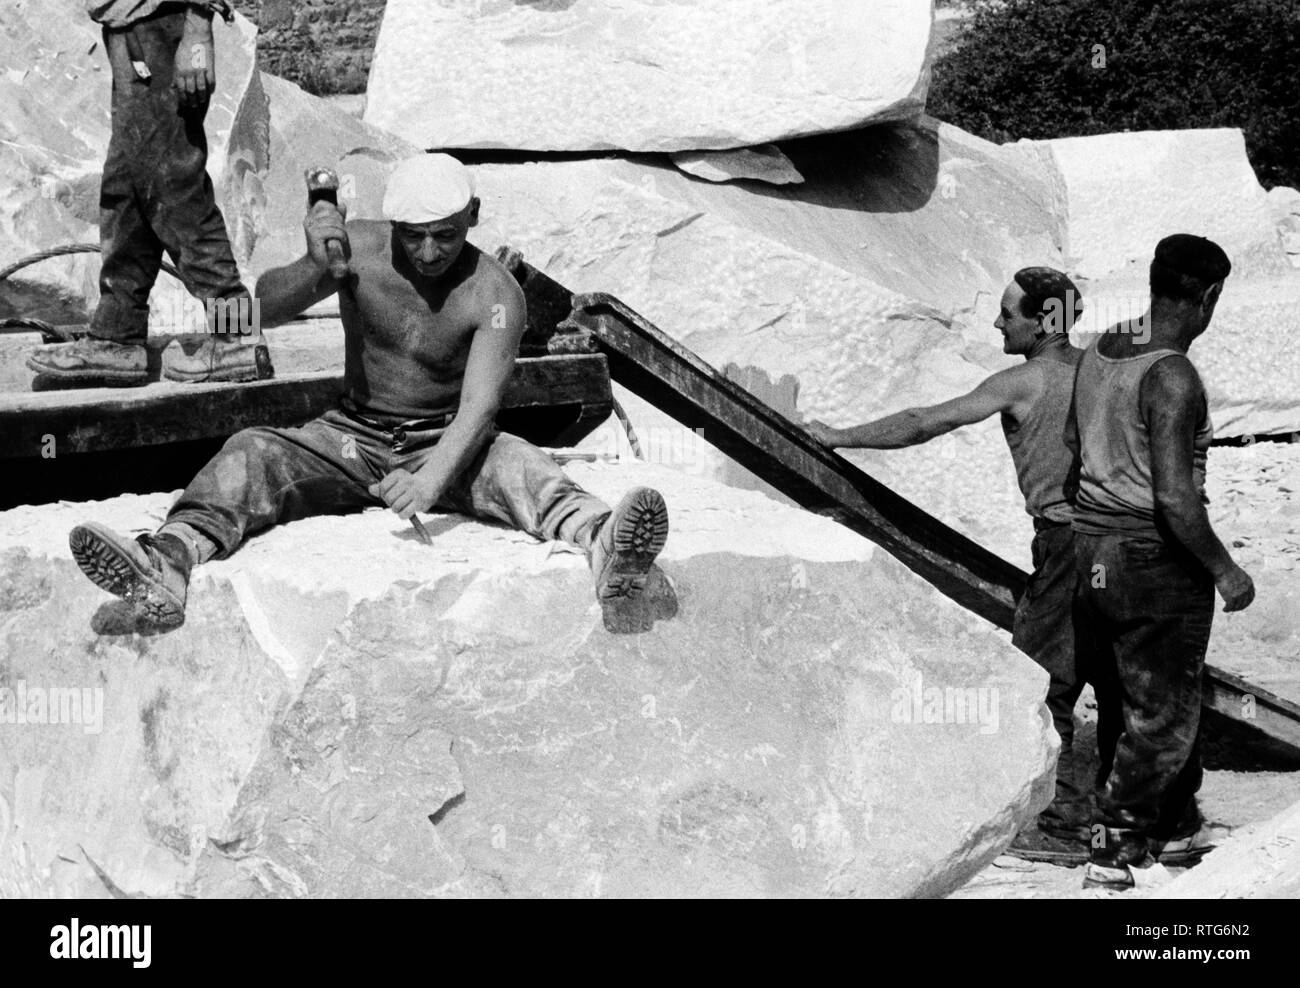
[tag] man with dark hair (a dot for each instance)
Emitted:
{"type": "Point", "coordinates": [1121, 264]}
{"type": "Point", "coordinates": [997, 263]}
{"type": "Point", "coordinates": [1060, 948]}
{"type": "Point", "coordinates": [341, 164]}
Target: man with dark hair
{"type": "Point", "coordinates": [1038, 309]}
{"type": "Point", "coordinates": [1148, 564]}
{"type": "Point", "coordinates": [155, 195]}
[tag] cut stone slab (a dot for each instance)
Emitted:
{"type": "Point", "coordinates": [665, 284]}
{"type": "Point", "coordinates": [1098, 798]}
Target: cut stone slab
{"type": "Point", "coordinates": [54, 137]}
{"type": "Point", "coordinates": [764, 163]}
{"type": "Point", "coordinates": [575, 75]}
{"type": "Point", "coordinates": [1123, 193]}
{"type": "Point", "coordinates": [349, 712]}
{"type": "Point", "coordinates": [1285, 204]}
{"type": "Point", "coordinates": [1261, 862]}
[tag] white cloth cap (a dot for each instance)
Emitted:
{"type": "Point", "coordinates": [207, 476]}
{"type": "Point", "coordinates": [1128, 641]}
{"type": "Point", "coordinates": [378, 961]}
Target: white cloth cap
{"type": "Point", "coordinates": [427, 188]}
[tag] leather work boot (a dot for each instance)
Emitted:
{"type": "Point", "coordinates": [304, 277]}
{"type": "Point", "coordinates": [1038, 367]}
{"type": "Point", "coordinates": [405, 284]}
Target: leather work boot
{"type": "Point", "coordinates": [1145, 874]}
{"type": "Point", "coordinates": [151, 572]}
{"type": "Point", "coordinates": [628, 542]}
{"type": "Point", "coordinates": [1036, 844]}
{"type": "Point", "coordinates": [89, 362]}
{"type": "Point", "coordinates": [1186, 850]}
{"type": "Point", "coordinates": [198, 360]}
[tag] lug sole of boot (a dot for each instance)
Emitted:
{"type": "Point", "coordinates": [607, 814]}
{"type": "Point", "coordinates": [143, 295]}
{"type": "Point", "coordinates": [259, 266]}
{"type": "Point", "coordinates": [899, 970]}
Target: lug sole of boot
{"type": "Point", "coordinates": [1071, 859]}
{"type": "Point", "coordinates": [111, 568]}
{"type": "Point", "coordinates": [1184, 859]}
{"type": "Point", "coordinates": [640, 531]}
{"type": "Point", "coordinates": [54, 378]}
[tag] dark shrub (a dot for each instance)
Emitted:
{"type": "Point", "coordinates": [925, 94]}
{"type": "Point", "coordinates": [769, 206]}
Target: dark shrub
{"type": "Point", "coordinates": [1033, 68]}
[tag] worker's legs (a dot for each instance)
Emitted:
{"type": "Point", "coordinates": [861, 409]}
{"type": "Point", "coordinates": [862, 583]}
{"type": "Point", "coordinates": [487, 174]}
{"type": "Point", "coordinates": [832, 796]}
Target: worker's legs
{"type": "Point", "coordinates": [260, 477]}
{"type": "Point", "coordinates": [1155, 608]}
{"type": "Point", "coordinates": [514, 482]}
{"type": "Point", "coordinates": [130, 251]}
{"type": "Point", "coordinates": [156, 196]}
{"type": "Point", "coordinates": [263, 477]}
{"type": "Point", "coordinates": [1044, 630]}
{"type": "Point", "coordinates": [169, 151]}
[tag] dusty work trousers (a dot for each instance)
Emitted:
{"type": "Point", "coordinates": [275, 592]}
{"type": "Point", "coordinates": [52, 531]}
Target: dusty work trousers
{"type": "Point", "coordinates": [155, 193]}
{"type": "Point", "coordinates": [263, 477]}
{"type": "Point", "coordinates": [1044, 630]}
{"type": "Point", "coordinates": [1146, 609]}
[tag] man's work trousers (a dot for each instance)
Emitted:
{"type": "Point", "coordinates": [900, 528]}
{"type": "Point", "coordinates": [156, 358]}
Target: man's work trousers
{"type": "Point", "coordinates": [1146, 610]}
{"type": "Point", "coordinates": [1044, 630]}
{"type": "Point", "coordinates": [155, 193]}
{"type": "Point", "coordinates": [263, 477]}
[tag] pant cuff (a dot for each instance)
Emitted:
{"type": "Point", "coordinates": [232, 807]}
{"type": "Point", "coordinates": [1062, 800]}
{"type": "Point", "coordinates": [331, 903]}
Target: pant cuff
{"type": "Point", "coordinates": [223, 538]}
{"type": "Point", "coordinates": [580, 528]}
{"type": "Point", "coordinates": [118, 322]}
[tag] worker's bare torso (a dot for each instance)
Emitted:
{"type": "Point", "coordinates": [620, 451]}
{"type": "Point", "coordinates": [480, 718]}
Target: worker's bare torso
{"type": "Point", "coordinates": [408, 336]}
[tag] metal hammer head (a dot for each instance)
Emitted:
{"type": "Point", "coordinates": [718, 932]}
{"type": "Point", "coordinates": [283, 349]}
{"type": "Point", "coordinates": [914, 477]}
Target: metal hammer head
{"type": "Point", "coordinates": [322, 183]}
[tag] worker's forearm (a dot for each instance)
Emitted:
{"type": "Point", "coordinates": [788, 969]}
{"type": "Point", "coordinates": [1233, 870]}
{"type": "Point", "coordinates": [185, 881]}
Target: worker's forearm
{"type": "Point", "coordinates": [1190, 524]}
{"type": "Point", "coordinates": [283, 293]}
{"type": "Point", "coordinates": [455, 451]}
{"type": "Point", "coordinates": [895, 431]}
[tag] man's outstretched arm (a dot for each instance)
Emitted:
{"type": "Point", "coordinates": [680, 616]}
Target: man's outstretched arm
{"type": "Point", "coordinates": [1171, 401]}
{"type": "Point", "coordinates": [1000, 393]}
{"type": "Point", "coordinates": [487, 374]}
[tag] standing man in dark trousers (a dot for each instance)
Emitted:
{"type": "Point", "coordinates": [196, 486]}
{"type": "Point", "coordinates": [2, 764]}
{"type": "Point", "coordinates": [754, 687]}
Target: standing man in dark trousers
{"type": "Point", "coordinates": [1038, 309]}
{"type": "Point", "coordinates": [156, 196]}
{"type": "Point", "coordinates": [1149, 563]}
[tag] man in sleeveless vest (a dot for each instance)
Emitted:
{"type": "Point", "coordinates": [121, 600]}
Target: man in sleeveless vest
{"type": "Point", "coordinates": [1038, 310]}
{"type": "Point", "coordinates": [1148, 564]}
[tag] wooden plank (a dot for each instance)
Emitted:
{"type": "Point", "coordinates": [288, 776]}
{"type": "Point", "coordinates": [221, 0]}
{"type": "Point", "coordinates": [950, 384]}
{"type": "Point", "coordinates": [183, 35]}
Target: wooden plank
{"type": "Point", "coordinates": [1260, 709]}
{"type": "Point", "coordinates": [101, 419]}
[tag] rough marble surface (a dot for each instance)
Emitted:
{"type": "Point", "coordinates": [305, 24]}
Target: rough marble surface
{"type": "Point", "coordinates": [337, 684]}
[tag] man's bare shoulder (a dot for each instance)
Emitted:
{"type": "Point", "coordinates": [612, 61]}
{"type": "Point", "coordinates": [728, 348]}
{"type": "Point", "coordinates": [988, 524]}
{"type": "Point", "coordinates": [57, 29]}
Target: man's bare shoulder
{"type": "Point", "coordinates": [1172, 378]}
{"type": "Point", "coordinates": [492, 284]}
{"type": "Point", "coordinates": [1019, 383]}
{"type": "Point", "coordinates": [494, 277]}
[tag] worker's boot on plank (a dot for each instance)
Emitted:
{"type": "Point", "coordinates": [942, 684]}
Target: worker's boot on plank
{"type": "Point", "coordinates": [627, 543]}
{"type": "Point", "coordinates": [216, 358]}
{"type": "Point", "coordinates": [150, 572]}
{"type": "Point", "coordinates": [1064, 846]}
{"type": "Point", "coordinates": [89, 362]}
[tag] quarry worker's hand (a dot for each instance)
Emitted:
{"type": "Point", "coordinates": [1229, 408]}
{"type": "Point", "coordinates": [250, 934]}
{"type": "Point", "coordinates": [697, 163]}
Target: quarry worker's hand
{"type": "Point", "coordinates": [1237, 589]}
{"type": "Point", "coordinates": [195, 77]}
{"type": "Point", "coordinates": [324, 222]}
{"type": "Point", "coordinates": [405, 493]}
{"type": "Point", "coordinates": [823, 433]}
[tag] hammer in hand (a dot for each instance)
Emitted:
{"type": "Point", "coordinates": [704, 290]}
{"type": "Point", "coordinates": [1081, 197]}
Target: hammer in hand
{"type": "Point", "coordinates": [323, 186]}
